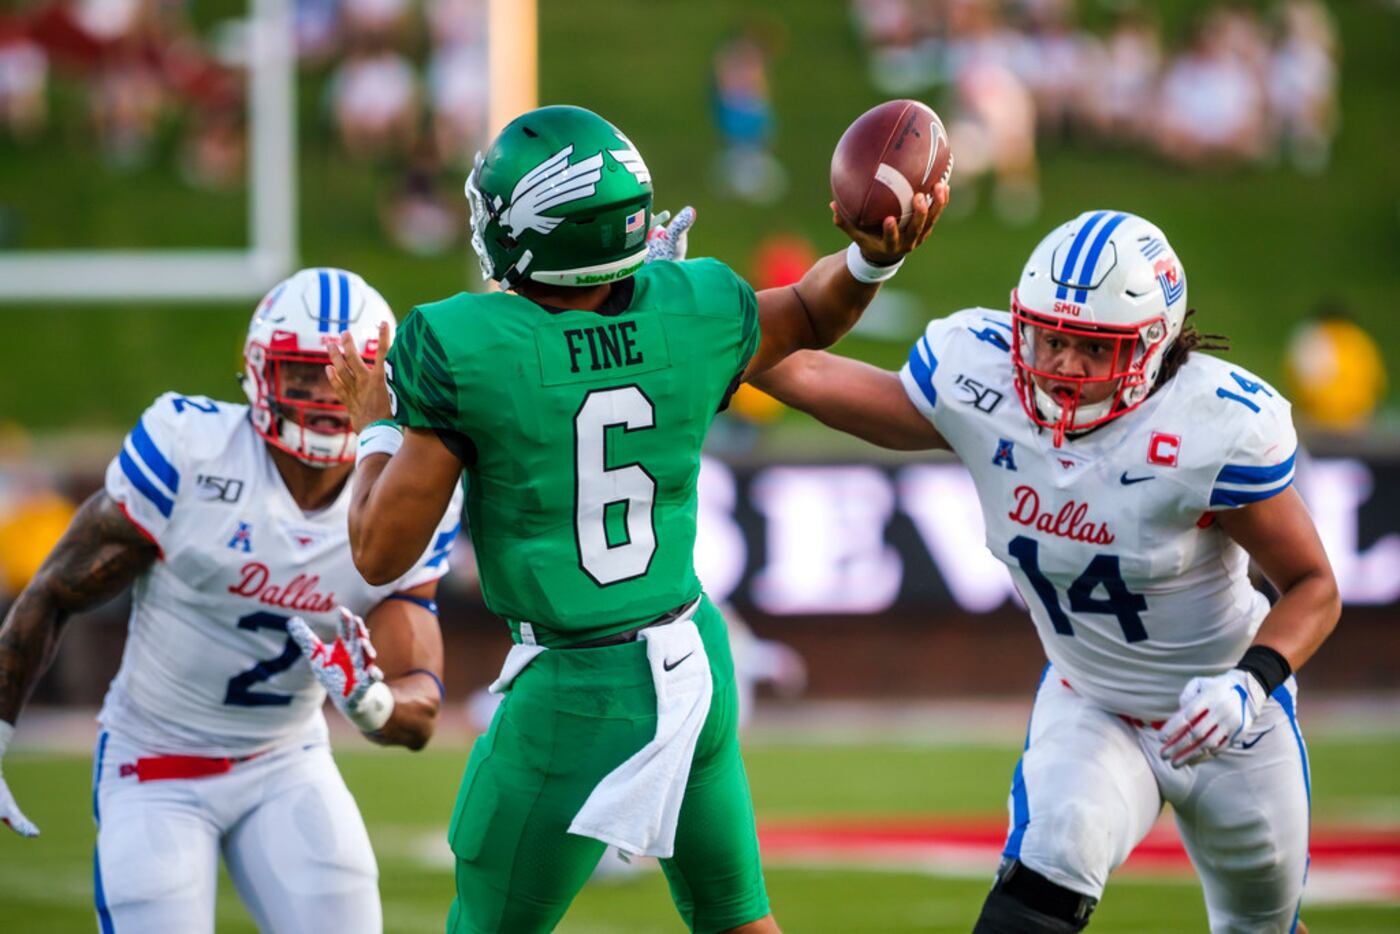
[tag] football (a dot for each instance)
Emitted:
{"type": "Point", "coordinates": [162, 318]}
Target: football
{"type": "Point", "coordinates": [887, 155]}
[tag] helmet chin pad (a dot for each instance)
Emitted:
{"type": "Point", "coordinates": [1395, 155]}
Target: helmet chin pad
{"type": "Point", "coordinates": [316, 448]}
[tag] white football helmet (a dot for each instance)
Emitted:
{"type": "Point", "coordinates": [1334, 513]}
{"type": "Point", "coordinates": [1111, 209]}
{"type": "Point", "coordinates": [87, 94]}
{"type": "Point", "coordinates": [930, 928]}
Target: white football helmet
{"type": "Point", "coordinates": [292, 405]}
{"type": "Point", "coordinates": [1105, 274]}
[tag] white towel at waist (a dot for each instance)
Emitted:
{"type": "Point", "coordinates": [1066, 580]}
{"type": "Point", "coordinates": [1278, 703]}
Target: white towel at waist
{"type": "Point", "coordinates": [517, 659]}
{"type": "Point", "coordinates": [636, 805]}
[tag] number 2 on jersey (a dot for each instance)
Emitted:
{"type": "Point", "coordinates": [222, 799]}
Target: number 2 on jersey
{"type": "Point", "coordinates": [627, 492]}
{"type": "Point", "coordinates": [239, 692]}
{"type": "Point", "coordinates": [1103, 571]}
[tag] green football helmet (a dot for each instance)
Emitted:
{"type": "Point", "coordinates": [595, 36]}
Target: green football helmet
{"type": "Point", "coordinates": [561, 197]}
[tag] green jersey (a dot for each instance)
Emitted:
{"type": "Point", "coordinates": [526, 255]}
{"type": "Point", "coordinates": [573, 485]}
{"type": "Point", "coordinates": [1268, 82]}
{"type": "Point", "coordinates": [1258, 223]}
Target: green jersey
{"type": "Point", "coordinates": [582, 435]}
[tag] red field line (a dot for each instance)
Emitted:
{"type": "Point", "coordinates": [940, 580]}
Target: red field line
{"type": "Point", "coordinates": [884, 838]}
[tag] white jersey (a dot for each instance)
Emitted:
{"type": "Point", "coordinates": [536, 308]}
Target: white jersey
{"type": "Point", "coordinates": [209, 668]}
{"type": "Point", "coordinates": [1133, 588]}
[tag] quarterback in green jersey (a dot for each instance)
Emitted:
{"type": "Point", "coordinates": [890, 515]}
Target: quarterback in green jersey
{"type": "Point", "coordinates": [576, 402]}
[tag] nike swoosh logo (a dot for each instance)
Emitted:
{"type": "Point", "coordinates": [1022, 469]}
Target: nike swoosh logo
{"type": "Point", "coordinates": [1256, 739]}
{"type": "Point", "coordinates": [1129, 481]}
{"type": "Point", "coordinates": [669, 665]}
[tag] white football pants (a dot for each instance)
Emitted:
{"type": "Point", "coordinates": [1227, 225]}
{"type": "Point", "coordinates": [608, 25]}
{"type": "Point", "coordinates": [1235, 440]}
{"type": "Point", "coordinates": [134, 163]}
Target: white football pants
{"type": "Point", "coordinates": [290, 834]}
{"type": "Point", "coordinates": [1090, 785]}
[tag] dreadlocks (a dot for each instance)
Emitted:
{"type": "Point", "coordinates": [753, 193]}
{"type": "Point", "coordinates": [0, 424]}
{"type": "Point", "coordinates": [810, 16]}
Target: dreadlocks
{"type": "Point", "coordinates": [1189, 340]}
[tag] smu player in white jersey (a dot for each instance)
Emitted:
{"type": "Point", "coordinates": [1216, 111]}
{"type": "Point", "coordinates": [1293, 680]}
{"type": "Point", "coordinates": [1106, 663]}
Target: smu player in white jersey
{"type": "Point", "coordinates": [229, 522]}
{"type": "Point", "coordinates": [1126, 494]}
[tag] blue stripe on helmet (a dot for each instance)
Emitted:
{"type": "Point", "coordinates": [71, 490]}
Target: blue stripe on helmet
{"type": "Point", "coordinates": [1067, 270]}
{"type": "Point", "coordinates": [146, 449]}
{"type": "Point", "coordinates": [1091, 262]}
{"type": "Point", "coordinates": [144, 486]}
{"type": "Point", "coordinates": [324, 322]}
{"type": "Point", "coordinates": [344, 301]}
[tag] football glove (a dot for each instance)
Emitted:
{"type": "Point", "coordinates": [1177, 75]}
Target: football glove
{"type": "Point", "coordinates": [9, 810]}
{"type": "Point", "coordinates": [347, 670]}
{"type": "Point", "coordinates": [669, 241]}
{"type": "Point", "coordinates": [1215, 712]}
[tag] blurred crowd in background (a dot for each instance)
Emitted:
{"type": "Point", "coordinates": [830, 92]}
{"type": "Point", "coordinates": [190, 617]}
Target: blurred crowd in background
{"type": "Point", "coordinates": [405, 90]}
{"type": "Point", "coordinates": [1241, 88]}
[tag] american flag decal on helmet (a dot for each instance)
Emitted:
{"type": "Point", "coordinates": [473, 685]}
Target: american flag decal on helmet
{"type": "Point", "coordinates": [635, 221]}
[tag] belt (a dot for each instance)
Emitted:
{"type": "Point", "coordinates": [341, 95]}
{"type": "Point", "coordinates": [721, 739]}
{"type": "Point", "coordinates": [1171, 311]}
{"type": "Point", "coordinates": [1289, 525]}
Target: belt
{"type": "Point", "coordinates": [630, 635]}
{"type": "Point", "coordinates": [160, 768]}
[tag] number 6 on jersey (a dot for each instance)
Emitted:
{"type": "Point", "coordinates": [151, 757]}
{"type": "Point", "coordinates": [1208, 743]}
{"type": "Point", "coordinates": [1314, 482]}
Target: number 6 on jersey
{"type": "Point", "coordinates": [626, 495]}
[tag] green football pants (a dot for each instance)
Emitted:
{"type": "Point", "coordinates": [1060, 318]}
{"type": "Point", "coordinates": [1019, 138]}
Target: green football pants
{"type": "Point", "coordinates": [570, 718]}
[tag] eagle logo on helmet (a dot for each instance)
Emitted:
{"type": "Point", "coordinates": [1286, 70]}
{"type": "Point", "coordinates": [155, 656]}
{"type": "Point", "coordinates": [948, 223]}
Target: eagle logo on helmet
{"type": "Point", "coordinates": [631, 160]}
{"type": "Point", "coordinates": [554, 182]}
{"type": "Point", "coordinates": [551, 183]}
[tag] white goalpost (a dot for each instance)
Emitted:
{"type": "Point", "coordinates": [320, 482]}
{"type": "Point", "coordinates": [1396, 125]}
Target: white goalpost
{"type": "Point", "coordinates": [206, 275]}
{"type": "Point", "coordinates": [209, 274]}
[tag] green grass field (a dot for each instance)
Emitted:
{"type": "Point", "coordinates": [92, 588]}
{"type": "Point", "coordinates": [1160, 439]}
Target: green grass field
{"type": "Point", "coordinates": [1260, 246]}
{"type": "Point", "coordinates": [46, 885]}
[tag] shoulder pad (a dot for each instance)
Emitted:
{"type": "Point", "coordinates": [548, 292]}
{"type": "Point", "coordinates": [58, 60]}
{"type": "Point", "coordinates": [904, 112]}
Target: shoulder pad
{"type": "Point", "coordinates": [1258, 444]}
{"type": "Point", "coordinates": [154, 467]}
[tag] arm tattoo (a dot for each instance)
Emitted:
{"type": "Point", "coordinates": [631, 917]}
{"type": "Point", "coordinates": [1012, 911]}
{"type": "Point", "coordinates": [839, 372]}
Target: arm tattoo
{"type": "Point", "coordinates": [100, 554]}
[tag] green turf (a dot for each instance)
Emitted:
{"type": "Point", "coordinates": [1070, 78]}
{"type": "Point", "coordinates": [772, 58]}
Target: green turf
{"type": "Point", "coordinates": [1260, 246]}
{"type": "Point", "coordinates": [46, 885]}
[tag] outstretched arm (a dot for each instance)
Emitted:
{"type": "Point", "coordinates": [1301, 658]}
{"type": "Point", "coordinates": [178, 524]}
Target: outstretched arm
{"type": "Point", "coordinates": [853, 397]}
{"type": "Point", "coordinates": [828, 301]}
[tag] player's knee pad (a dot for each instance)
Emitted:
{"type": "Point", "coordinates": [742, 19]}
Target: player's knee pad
{"type": "Point", "coordinates": [1022, 901]}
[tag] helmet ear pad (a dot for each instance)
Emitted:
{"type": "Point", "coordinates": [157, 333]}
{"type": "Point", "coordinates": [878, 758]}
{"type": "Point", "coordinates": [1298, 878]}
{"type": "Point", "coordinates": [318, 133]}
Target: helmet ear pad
{"type": "Point", "coordinates": [560, 197]}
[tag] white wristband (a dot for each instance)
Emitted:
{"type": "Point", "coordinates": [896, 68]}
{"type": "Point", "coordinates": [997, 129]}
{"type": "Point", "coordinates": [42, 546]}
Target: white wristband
{"type": "Point", "coordinates": [863, 270]}
{"type": "Point", "coordinates": [374, 709]}
{"type": "Point", "coordinates": [379, 438]}
{"type": "Point", "coordinates": [7, 730]}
